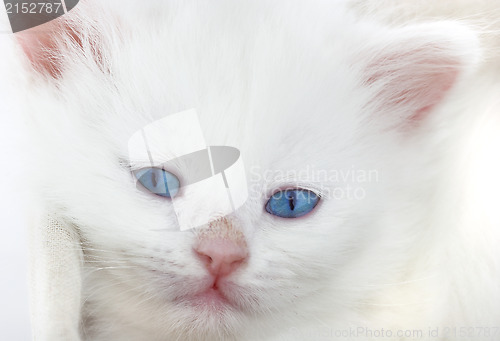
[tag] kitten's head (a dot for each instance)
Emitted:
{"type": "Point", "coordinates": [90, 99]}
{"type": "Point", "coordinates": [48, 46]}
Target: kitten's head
{"type": "Point", "coordinates": [331, 118]}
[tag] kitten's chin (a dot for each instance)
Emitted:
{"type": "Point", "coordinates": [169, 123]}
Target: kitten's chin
{"type": "Point", "coordinates": [211, 314]}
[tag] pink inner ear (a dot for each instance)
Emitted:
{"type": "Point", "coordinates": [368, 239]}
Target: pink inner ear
{"type": "Point", "coordinates": [40, 46]}
{"type": "Point", "coordinates": [441, 84]}
{"type": "Point", "coordinates": [412, 82]}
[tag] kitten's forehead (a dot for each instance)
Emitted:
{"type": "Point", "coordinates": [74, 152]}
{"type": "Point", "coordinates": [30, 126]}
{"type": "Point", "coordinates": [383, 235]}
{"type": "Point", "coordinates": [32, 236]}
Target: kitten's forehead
{"type": "Point", "coordinates": [235, 73]}
{"type": "Point", "coordinates": [264, 111]}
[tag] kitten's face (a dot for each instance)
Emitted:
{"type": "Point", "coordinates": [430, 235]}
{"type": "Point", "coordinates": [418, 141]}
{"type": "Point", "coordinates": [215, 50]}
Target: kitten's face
{"type": "Point", "coordinates": [300, 110]}
{"type": "Point", "coordinates": [292, 134]}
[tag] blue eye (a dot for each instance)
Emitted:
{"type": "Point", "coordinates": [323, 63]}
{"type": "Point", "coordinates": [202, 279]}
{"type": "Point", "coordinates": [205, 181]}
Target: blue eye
{"type": "Point", "coordinates": [158, 181]}
{"type": "Point", "coordinates": [292, 203]}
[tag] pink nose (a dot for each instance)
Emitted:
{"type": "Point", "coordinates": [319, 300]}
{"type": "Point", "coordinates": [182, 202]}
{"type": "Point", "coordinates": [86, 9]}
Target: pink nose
{"type": "Point", "coordinates": [221, 256]}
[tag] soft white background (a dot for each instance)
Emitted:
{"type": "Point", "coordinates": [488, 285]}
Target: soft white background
{"type": "Point", "coordinates": [14, 312]}
{"type": "Point", "coordinates": [14, 316]}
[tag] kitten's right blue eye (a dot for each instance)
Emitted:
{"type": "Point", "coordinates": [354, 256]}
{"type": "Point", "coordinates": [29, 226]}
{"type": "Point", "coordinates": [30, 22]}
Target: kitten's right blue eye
{"type": "Point", "coordinates": [292, 203]}
{"type": "Point", "coordinates": [158, 181]}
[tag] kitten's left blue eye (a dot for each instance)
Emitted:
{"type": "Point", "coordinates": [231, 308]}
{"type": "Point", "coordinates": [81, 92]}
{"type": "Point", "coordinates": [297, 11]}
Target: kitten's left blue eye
{"type": "Point", "coordinates": [292, 203]}
{"type": "Point", "coordinates": [158, 181]}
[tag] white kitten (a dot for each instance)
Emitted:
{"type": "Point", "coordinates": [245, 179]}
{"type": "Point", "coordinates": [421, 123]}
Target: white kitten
{"type": "Point", "coordinates": [314, 99]}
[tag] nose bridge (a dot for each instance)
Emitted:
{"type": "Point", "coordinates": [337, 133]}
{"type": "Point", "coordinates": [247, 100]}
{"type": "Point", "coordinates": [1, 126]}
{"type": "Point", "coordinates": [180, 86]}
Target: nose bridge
{"type": "Point", "coordinates": [225, 228]}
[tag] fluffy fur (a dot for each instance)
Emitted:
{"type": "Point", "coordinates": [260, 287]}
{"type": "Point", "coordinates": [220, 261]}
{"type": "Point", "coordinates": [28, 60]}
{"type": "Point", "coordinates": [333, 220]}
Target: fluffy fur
{"type": "Point", "coordinates": [295, 87]}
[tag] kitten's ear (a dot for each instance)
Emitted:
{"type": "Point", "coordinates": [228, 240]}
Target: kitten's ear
{"type": "Point", "coordinates": [411, 70]}
{"type": "Point", "coordinates": [42, 45]}
{"type": "Point", "coordinates": [47, 46]}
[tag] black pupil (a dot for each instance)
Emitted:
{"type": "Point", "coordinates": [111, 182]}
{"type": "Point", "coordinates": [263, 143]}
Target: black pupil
{"type": "Point", "coordinates": [291, 201]}
{"type": "Point", "coordinates": [153, 178]}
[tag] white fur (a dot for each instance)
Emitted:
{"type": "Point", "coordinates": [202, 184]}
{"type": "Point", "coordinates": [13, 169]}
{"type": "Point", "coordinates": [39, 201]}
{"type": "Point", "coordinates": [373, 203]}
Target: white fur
{"type": "Point", "coordinates": [286, 83]}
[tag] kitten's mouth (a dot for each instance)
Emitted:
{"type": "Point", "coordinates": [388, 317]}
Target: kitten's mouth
{"type": "Point", "coordinates": [212, 298]}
